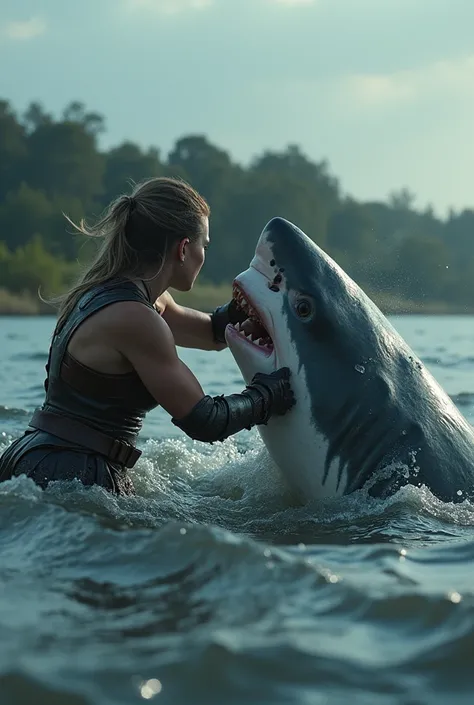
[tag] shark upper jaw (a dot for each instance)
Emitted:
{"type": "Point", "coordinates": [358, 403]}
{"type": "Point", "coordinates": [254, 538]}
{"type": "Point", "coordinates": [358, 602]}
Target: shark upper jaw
{"type": "Point", "coordinates": [254, 340]}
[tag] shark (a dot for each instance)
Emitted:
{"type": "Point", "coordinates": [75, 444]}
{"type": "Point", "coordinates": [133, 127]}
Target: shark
{"type": "Point", "coordinates": [368, 412]}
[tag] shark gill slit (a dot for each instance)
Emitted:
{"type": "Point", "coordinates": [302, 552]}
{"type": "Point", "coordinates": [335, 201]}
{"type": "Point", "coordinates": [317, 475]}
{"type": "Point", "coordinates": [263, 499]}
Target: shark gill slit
{"type": "Point", "coordinates": [358, 444]}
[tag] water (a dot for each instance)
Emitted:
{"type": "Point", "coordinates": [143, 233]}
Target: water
{"type": "Point", "coordinates": [212, 586]}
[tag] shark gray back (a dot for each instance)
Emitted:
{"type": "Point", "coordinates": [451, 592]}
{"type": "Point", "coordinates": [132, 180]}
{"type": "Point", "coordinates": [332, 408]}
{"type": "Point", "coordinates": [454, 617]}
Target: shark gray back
{"type": "Point", "coordinates": [368, 410]}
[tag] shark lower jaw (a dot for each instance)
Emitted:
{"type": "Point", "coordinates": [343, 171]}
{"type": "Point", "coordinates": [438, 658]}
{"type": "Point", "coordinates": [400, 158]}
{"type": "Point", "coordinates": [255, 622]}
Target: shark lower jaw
{"type": "Point", "coordinates": [254, 337]}
{"type": "Point", "coordinates": [236, 336]}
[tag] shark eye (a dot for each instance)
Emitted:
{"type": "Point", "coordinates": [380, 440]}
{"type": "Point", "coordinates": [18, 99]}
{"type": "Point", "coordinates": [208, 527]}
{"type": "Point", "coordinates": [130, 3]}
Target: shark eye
{"type": "Point", "coordinates": [304, 308]}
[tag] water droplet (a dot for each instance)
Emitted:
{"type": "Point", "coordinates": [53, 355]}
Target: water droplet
{"type": "Point", "coordinates": [182, 531]}
{"type": "Point", "coordinates": [459, 493]}
{"type": "Point", "coordinates": [454, 597]}
{"type": "Point", "coordinates": [403, 552]}
{"type": "Point", "coordinates": [267, 553]}
{"type": "Point", "coordinates": [150, 688]}
{"type": "Point", "coordinates": [360, 368]}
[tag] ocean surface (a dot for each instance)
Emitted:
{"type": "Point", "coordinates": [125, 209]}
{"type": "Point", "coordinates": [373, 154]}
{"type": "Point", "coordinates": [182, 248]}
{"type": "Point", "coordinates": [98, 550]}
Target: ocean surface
{"type": "Point", "coordinates": [212, 586]}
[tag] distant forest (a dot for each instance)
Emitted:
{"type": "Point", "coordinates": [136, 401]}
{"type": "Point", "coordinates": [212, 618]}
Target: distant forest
{"type": "Point", "coordinates": [51, 166]}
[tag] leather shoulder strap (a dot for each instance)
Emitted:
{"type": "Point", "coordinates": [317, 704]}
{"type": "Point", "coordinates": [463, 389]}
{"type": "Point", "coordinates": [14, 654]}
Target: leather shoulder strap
{"type": "Point", "coordinates": [92, 301]}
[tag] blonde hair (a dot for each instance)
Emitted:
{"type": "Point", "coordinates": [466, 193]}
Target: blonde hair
{"type": "Point", "coordinates": [137, 231]}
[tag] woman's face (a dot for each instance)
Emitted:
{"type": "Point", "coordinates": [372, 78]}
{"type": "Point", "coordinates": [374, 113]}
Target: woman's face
{"type": "Point", "coordinates": [191, 258]}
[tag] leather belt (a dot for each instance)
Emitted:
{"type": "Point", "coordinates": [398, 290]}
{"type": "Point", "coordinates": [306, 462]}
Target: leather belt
{"type": "Point", "coordinates": [74, 431]}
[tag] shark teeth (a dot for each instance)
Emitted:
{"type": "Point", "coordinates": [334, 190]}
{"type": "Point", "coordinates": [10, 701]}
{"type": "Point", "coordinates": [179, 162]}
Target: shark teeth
{"type": "Point", "coordinates": [243, 304]}
{"type": "Point", "coordinates": [264, 343]}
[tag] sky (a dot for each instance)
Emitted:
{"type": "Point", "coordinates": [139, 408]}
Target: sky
{"type": "Point", "coordinates": [381, 89]}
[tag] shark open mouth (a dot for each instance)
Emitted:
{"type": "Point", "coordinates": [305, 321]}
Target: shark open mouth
{"type": "Point", "coordinates": [252, 330]}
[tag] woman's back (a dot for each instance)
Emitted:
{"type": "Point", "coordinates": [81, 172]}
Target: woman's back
{"type": "Point", "coordinates": [114, 404]}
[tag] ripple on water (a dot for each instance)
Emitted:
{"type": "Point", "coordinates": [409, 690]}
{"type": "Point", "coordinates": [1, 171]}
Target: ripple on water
{"type": "Point", "coordinates": [7, 412]}
{"type": "Point", "coordinates": [463, 399]}
{"type": "Point", "coordinates": [449, 360]}
{"type": "Point", "coordinates": [31, 356]}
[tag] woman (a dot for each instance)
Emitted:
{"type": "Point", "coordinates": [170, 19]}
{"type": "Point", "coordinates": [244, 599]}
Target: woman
{"type": "Point", "coordinates": [113, 354]}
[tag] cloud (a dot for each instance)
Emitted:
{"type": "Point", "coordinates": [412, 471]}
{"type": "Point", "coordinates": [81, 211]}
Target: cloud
{"type": "Point", "coordinates": [168, 7]}
{"type": "Point", "coordinates": [438, 79]}
{"type": "Point", "coordinates": [23, 30]}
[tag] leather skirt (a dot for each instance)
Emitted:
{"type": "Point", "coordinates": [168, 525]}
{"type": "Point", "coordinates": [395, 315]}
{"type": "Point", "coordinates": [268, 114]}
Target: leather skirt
{"type": "Point", "coordinates": [46, 458]}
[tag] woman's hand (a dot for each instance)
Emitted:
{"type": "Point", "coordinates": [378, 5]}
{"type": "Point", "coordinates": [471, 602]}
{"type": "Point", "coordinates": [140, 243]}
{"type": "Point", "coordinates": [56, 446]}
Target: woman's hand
{"type": "Point", "coordinates": [222, 316]}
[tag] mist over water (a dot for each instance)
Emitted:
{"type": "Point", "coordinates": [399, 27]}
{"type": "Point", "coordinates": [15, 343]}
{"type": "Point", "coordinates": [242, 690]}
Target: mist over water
{"type": "Point", "coordinates": [213, 585]}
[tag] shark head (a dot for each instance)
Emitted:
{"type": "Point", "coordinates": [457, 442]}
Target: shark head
{"type": "Point", "coordinates": [356, 382]}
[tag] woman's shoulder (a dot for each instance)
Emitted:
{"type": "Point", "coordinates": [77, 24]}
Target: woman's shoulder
{"type": "Point", "coordinates": [132, 325]}
{"type": "Point", "coordinates": [112, 290]}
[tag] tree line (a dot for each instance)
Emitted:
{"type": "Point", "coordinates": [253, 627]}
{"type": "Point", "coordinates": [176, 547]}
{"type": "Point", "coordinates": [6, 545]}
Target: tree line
{"type": "Point", "coordinates": [53, 165]}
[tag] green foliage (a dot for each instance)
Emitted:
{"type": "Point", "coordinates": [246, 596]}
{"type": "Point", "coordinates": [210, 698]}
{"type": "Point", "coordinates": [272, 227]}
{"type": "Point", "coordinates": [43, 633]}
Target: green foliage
{"type": "Point", "coordinates": [63, 161]}
{"type": "Point", "coordinates": [127, 164]}
{"type": "Point", "coordinates": [31, 268]}
{"type": "Point", "coordinates": [23, 213]}
{"type": "Point", "coordinates": [13, 149]}
{"type": "Point", "coordinates": [50, 167]}
{"type": "Point", "coordinates": [421, 261]}
{"type": "Point", "coordinates": [351, 239]}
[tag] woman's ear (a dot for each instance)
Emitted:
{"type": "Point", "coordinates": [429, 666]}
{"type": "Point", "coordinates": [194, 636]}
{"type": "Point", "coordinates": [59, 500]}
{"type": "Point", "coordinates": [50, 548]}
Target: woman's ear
{"type": "Point", "coordinates": [182, 249]}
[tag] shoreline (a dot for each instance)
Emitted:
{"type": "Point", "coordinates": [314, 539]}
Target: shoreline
{"type": "Point", "coordinates": [206, 297]}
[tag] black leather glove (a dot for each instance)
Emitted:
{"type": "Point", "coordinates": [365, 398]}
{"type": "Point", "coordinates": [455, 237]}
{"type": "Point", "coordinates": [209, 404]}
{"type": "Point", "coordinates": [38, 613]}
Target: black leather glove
{"type": "Point", "coordinates": [217, 418]}
{"type": "Point", "coordinates": [222, 316]}
{"type": "Point", "coordinates": [276, 391]}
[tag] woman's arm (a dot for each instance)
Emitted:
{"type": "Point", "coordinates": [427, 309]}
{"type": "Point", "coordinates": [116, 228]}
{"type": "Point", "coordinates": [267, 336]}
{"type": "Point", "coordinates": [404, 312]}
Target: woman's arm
{"type": "Point", "coordinates": [195, 329]}
{"type": "Point", "coordinates": [146, 341]}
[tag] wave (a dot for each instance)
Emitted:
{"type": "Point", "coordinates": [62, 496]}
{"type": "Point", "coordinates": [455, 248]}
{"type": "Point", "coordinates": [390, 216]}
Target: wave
{"type": "Point", "coordinates": [31, 356]}
{"type": "Point", "coordinates": [463, 399]}
{"type": "Point", "coordinates": [110, 611]}
{"type": "Point", "coordinates": [9, 412]}
{"type": "Point", "coordinates": [243, 492]}
{"type": "Point", "coordinates": [449, 361]}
